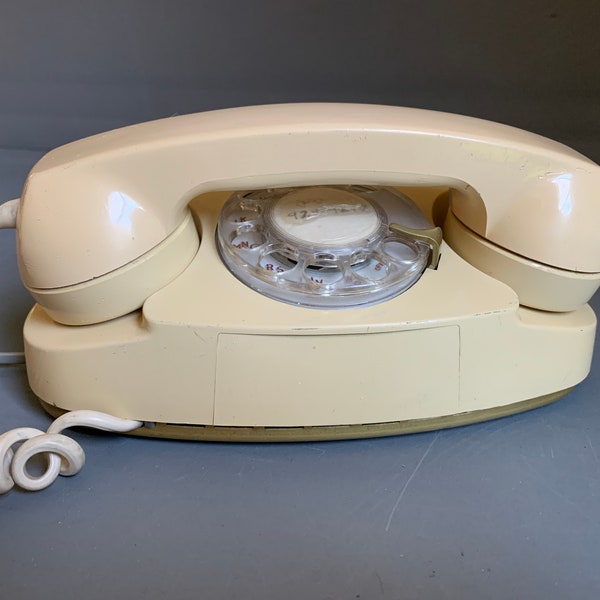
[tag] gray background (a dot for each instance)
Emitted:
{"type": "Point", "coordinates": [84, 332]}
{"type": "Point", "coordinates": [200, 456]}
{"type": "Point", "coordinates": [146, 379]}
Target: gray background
{"type": "Point", "coordinates": [502, 509]}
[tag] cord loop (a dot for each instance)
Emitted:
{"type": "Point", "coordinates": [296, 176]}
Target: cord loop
{"type": "Point", "coordinates": [64, 455]}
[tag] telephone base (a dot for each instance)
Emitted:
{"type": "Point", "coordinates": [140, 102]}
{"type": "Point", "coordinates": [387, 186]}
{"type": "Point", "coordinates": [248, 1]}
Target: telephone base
{"type": "Point", "coordinates": [207, 357]}
{"type": "Point", "coordinates": [211, 433]}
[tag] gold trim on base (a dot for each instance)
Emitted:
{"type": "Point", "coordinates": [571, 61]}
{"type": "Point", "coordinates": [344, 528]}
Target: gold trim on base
{"type": "Point", "coordinates": [211, 433]}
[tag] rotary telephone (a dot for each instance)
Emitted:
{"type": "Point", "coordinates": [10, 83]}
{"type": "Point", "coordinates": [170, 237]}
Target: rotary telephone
{"type": "Point", "coordinates": [310, 271]}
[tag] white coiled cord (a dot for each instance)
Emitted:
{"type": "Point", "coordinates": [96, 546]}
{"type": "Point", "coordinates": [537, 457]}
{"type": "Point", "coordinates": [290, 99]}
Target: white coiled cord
{"type": "Point", "coordinates": [64, 455]}
{"type": "Point", "coordinates": [8, 214]}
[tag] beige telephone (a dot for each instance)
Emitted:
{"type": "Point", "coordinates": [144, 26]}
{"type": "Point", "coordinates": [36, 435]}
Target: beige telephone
{"type": "Point", "coordinates": [278, 272]}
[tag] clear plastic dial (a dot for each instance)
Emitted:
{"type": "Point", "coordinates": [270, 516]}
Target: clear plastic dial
{"type": "Point", "coordinates": [323, 247]}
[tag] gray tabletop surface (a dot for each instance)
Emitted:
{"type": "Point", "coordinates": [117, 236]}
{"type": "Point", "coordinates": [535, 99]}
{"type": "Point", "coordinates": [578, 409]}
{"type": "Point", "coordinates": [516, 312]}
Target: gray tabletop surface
{"type": "Point", "coordinates": [503, 509]}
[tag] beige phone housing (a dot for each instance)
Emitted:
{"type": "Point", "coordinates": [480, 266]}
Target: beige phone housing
{"type": "Point", "coordinates": [138, 316]}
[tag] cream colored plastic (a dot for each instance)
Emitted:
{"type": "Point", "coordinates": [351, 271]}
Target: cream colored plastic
{"type": "Point", "coordinates": [539, 285]}
{"type": "Point", "coordinates": [104, 229]}
{"type": "Point", "coordinates": [207, 350]}
{"type": "Point", "coordinates": [125, 289]}
{"type": "Point", "coordinates": [93, 206]}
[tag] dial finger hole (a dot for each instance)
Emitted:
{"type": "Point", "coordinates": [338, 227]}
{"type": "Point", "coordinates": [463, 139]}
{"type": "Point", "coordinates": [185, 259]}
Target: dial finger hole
{"type": "Point", "coordinates": [276, 264]}
{"type": "Point", "coordinates": [248, 240]}
{"type": "Point", "coordinates": [399, 251]}
{"type": "Point", "coordinates": [244, 211]}
{"type": "Point", "coordinates": [323, 277]}
{"type": "Point", "coordinates": [372, 269]}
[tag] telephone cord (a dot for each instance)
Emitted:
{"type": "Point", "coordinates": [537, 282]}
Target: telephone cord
{"type": "Point", "coordinates": [8, 214]}
{"type": "Point", "coordinates": [63, 454]}
{"type": "Point", "coordinates": [8, 220]}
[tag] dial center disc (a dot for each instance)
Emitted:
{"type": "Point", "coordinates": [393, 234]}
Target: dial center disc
{"type": "Point", "coordinates": [324, 216]}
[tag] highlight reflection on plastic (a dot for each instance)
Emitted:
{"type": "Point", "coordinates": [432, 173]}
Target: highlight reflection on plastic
{"type": "Point", "coordinates": [121, 208]}
{"type": "Point", "coordinates": [565, 201]}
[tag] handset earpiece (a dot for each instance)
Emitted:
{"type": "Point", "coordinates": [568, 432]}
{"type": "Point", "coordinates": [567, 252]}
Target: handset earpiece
{"type": "Point", "coordinates": [124, 289]}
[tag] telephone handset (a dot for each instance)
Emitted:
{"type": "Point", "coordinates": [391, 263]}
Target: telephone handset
{"type": "Point", "coordinates": [93, 208]}
{"type": "Point", "coordinates": [279, 272]}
